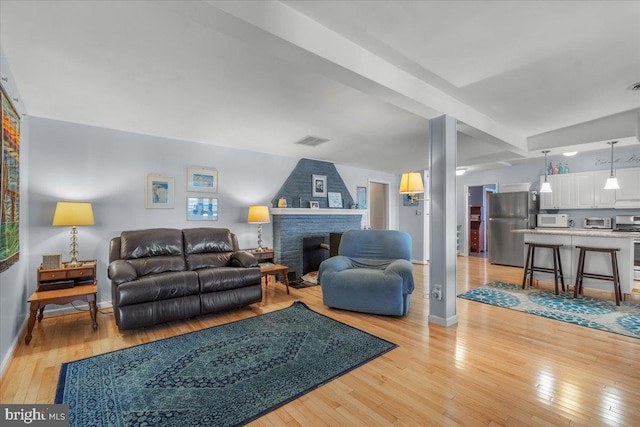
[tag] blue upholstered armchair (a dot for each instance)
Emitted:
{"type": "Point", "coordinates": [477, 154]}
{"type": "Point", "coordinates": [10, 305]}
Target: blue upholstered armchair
{"type": "Point", "coordinates": [372, 273]}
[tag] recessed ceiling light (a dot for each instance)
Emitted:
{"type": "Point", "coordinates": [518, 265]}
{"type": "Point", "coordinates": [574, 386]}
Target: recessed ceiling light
{"type": "Point", "coordinates": [634, 86]}
{"type": "Point", "coordinates": [570, 153]}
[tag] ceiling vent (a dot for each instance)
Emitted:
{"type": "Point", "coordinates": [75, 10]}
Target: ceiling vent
{"type": "Point", "coordinates": [635, 86]}
{"type": "Point", "coordinates": [312, 141]}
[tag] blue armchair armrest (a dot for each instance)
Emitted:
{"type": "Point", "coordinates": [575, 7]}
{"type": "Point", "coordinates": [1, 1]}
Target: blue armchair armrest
{"type": "Point", "coordinates": [334, 265]}
{"type": "Point", "coordinates": [404, 269]}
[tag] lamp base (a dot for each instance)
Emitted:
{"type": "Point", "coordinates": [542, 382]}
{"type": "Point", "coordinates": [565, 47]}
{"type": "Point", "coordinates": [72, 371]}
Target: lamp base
{"type": "Point", "coordinates": [73, 253]}
{"type": "Point", "coordinates": [259, 248]}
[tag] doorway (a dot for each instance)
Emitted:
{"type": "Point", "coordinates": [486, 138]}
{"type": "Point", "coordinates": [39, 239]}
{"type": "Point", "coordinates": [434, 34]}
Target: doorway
{"type": "Point", "coordinates": [379, 205]}
{"type": "Point", "coordinates": [477, 219]}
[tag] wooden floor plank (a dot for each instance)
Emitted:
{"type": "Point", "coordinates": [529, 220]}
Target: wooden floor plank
{"type": "Point", "coordinates": [497, 367]}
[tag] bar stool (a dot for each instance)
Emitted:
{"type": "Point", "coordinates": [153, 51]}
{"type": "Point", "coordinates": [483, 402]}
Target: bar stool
{"type": "Point", "coordinates": [529, 265]}
{"type": "Point", "coordinates": [580, 274]}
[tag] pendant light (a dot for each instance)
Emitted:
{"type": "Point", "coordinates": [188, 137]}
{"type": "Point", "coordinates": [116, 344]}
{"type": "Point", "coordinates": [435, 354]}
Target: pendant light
{"type": "Point", "coordinates": [546, 187]}
{"type": "Point", "coordinates": [612, 181]}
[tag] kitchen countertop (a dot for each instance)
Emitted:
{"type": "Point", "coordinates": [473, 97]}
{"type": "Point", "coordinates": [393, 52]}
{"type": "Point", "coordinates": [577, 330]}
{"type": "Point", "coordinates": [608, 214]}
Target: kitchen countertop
{"type": "Point", "coordinates": [587, 232]}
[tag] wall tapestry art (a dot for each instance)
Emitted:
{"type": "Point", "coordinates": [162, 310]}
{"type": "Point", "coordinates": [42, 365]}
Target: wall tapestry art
{"type": "Point", "coordinates": [9, 185]}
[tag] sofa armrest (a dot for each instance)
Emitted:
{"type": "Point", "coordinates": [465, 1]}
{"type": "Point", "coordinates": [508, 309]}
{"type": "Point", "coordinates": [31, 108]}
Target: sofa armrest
{"type": "Point", "coordinates": [404, 269]}
{"type": "Point", "coordinates": [243, 259]}
{"type": "Point", "coordinates": [120, 271]}
{"type": "Point", "coordinates": [334, 265]}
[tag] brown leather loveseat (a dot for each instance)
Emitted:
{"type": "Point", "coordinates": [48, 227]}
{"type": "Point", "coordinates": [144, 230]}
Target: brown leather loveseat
{"type": "Point", "coordinates": [163, 274]}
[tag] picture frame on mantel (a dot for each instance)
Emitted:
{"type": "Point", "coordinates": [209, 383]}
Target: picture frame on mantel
{"type": "Point", "coordinates": [159, 192]}
{"type": "Point", "coordinates": [335, 200]}
{"type": "Point", "coordinates": [314, 205]}
{"type": "Point", "coordinates": [318, 186]}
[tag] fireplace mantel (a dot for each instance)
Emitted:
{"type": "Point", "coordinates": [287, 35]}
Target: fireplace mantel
{"type": "Point", "coordinates": [308, 211]}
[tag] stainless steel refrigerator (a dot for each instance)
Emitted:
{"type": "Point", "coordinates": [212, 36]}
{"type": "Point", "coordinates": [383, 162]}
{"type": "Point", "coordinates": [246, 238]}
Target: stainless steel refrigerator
{"type": "Point", "coordinates": [507, 212]}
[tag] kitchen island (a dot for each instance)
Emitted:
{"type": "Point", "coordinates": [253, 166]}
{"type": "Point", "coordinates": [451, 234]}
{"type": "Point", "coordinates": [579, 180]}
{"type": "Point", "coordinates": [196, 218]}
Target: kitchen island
{"type": "Point", "coordinates": [595, 262]}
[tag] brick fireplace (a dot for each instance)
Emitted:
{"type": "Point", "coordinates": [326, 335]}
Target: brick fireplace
{"type": "Point", "coordinates": [291, 226]}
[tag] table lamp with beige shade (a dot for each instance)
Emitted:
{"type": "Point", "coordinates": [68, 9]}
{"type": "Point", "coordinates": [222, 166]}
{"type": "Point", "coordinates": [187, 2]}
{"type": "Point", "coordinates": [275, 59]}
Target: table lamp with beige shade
{"type": "Point", "coordinates": [73, 214]}
{"type": "Point", "coordinates": [258, 215]}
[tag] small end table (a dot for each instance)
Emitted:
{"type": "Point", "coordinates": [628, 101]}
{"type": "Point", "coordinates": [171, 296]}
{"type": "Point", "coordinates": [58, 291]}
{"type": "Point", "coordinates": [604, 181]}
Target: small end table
{"type": "Point", "coordinates": [265, 255]}
{"type": "Point", "coordinates": [66, 284]}
{"type": "Point", "coordinates": [276, 269]}
{"type": "Point", "coordinates": [39, 300]}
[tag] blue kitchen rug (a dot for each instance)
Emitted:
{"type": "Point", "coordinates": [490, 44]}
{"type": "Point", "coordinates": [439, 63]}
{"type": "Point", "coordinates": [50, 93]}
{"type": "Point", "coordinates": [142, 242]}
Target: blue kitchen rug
{"type": "Point", "coordinates": [225, 375]}
{"type": "Point", "coordinates": [584, 311]}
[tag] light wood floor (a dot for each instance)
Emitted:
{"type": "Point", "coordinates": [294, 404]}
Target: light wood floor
{"type": "Point", "coordinates": [496, 367]}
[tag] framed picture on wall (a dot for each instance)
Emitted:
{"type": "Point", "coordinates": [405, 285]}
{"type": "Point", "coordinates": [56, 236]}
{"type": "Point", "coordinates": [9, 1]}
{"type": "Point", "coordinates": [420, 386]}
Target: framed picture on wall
{"type": "Point", "coordinates": [361, 197]}
{"type": "Point", "coordinates": [202, 180]}
{"type": "Point", "coordinates": [159, 192]}
{"type": "Point", "coordinates": [202, 209]}
{"type": "Point", "coordinates": [318, 185]}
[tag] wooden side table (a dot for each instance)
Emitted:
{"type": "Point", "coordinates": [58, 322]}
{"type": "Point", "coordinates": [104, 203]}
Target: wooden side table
{"type": "Point", "coordinates": [39, 300]}
{"type": "Point", "coordinates": [265, 256]}
{"type": "Point", "coordinates": [62, 286]}
{"type": "Point", "coordinates": [276, 269]}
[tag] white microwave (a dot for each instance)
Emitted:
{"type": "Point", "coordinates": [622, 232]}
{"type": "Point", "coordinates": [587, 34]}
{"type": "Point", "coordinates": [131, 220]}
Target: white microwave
{"type": "Point", "coordinates": [552, 221]}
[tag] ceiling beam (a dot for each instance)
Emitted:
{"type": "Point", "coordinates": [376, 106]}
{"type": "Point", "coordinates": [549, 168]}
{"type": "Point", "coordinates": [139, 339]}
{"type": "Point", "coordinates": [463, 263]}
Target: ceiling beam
{"type": "Point", "coordinates": [282, 31]}
{"type": "Point", "coordinates": [616, 126]}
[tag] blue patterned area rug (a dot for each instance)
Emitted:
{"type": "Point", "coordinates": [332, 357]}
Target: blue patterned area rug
{"type": "Point", "coordinates": [221, 376]}
{"type": "Point", "coordinates": [585, 311]}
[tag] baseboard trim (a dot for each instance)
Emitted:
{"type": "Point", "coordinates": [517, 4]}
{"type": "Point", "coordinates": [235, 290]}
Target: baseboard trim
{"type": "Point", "coordinates": [13, 347]}
{"type": "Point", "coordinates": [448, 322]}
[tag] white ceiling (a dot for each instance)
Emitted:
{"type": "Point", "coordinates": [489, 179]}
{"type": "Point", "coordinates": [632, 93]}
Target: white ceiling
{"type": "Point", "coordinates": [520, 76]}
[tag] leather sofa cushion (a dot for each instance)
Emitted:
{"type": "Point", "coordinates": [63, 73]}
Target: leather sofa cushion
{"type": "Point", "coordinates": [207, 260]}
{"type": "Point", "coordinates": [207, 247]}
{"type": "Point", "coordinates": [157, 264]}
{"type": "Point", "coordinates": [207, 240]}
{"type": "Point", "coordinates": [153, 251]}
{"type": "Point", "coordinates": [150, 243]}
{"type": "Point", "coordinates": [158, 287]}
{"type": "Point", "coordinates": [225, 278]}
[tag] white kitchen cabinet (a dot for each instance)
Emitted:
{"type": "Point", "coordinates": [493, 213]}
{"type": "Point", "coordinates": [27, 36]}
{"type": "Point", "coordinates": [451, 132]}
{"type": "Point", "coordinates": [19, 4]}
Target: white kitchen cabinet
{"type": "Point", "coordinates": [629, 181]}
{"type": "Point", "coordinates": [562, 194]}
{"type": "Point", "coordinates": [603, 198]}
{"type": "Point", "coordinates": [566, 193]}
{"type": "Point", "coordinates": [590, 192]}
{"type": "Point", "coordinates": [585, 190]}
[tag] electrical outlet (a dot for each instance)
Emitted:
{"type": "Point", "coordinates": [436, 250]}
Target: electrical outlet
{"type": "Point", "coordinates": [436, 292]}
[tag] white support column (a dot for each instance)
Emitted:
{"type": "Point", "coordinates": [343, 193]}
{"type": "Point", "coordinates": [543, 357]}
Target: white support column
{"type": "Point", "coordinates": [442, 266]}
